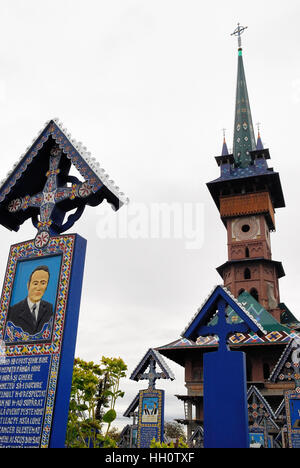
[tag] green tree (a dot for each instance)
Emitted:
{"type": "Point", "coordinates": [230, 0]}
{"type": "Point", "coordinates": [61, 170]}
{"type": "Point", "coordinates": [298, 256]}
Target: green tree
{"type": "Point", "coordinates": [174, 430]}
{"type": "Point", "coordinates": [95, 390]}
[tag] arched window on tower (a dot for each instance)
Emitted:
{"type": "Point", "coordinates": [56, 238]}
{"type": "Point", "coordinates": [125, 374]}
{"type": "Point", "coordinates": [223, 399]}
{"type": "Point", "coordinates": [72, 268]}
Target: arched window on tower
{"type": "Point", "coordinates": [254, 293]}
{"type": "Point", "coordinates": [241, 291]}
{"type": "Point", "coordinates": [247, 253]}
{"type": "Point", "coordinates": [247, 273]}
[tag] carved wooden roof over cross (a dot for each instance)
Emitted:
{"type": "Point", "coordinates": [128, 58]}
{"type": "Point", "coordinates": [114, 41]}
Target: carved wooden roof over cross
{"type": "Point", "coordinates": [258, 407]}
{"type": "Point", "coordinates": [152, 359]}
{"type": "Point", "coordinates": [288, 366]}
{"type": "Point", "coordinates": [40, 186]}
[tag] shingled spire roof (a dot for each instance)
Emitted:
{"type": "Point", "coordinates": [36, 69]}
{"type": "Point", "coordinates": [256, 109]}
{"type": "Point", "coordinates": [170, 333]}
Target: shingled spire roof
{"type": "Point", "coordinates": [244, 139]}
{"type": "Point", "coordinates": [225, 151]}
{"type": "Point", "coordinates": [259, 143]}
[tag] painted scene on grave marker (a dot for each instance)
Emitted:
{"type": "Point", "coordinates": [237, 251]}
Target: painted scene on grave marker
{"type": "Point", "coordinates": [256, 438]}
{"type": "Point", "coordinates": [150, 410]}
{"type": "Point", "coordinates": [35, 284]}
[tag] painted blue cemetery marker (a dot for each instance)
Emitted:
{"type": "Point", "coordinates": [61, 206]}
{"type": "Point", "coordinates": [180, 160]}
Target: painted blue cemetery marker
{"type": "Point", "coordinates": [287, 369]}
{"type": "Point", "coordinates": [42, 288]}
{"type": "Point", "coordinates": [292, 403]}
{"type": "Point", "coordinates": [151, 400]}
{"type": "Point", "coordinates": [36, 372]}
{"type": "Point", "coordinates": [225, 392]}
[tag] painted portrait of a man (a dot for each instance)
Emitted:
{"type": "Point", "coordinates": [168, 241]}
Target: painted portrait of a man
{"type": "Point", "coordinates": [33, 312]}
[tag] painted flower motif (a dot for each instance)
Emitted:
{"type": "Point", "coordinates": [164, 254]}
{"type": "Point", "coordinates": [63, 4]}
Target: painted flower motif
{"type": "Point", "coordinates": [46, 334]}
{"type": "Point", "coordinates": [14, 205]}
{"type": "Point", "coordinates": [42, 239]}
{"type": "Point", "coordinates": [84, 190]}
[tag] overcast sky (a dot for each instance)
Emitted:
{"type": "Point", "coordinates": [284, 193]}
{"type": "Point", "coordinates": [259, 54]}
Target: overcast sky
{"type": "Point", "coordinates": [147, 86]}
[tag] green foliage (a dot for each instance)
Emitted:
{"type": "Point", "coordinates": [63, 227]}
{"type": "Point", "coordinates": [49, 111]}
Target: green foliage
{"type": "Point", "coordinates": [95, 390]}
{"type": "Point", "coordinates": [178, 444]}
{"type": "Point", "coordinates": [174, 430]}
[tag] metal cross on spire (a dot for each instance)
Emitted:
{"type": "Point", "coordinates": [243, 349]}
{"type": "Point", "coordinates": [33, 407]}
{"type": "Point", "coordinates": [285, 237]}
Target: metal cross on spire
{"type": "Point", "coordinates": [238, 32]}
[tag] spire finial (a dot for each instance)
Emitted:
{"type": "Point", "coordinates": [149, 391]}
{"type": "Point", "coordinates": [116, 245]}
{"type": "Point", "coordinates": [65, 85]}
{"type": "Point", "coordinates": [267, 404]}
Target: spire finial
{"type": "Point", "coordinates": [224, 133]}
{"type": "Point", "coordinates": [258, 127]}
{"type": "Point", "coordinates": [238, 32]}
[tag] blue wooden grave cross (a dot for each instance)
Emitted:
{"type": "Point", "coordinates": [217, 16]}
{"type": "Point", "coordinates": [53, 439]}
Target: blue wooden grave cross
{"type": "Point", "coordinates": [225, 392]}
{"type": "Point", "coordinates": [223, 329]}
{"type": "Point", "coordinates": [152, 375]}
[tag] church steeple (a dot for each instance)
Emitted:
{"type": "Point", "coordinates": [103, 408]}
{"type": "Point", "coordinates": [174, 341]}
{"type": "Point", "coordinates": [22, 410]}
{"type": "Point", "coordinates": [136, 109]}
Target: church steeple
{"type": "Point", "coordinates": [247, 194]}
{"type": "Point", "coordinates": [244, 139]}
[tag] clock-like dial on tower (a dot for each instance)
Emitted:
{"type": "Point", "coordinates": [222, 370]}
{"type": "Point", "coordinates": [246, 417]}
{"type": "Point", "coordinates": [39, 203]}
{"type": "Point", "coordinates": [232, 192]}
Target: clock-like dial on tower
{"type": "Point", "coordinates": [246, 228]}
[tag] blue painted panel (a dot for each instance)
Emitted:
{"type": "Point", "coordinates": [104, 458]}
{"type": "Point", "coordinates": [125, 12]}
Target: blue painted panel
{"type": "Point", "coordinates": [225, 400]}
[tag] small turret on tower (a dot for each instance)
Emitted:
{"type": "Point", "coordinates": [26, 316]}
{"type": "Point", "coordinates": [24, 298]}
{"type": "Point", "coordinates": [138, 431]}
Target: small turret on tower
{"type": "Point", "coordinates": [259, 143]}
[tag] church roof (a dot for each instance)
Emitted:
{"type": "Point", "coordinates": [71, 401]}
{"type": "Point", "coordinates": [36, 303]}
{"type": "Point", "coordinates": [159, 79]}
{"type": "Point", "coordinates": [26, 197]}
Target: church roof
{"type": "Point", "coordinates": [276, 333]}
{"type": "Point", "coordinates": [287, 318]}
{"type": "Point", "coordinates": [243, 175]}
{"type": "Point", "coordinates": [249, 261]}
{"type": "Point", "coordinates": [257, 311]}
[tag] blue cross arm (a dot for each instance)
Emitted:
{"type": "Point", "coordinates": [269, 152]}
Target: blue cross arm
{"type": "Point", "coordinates": [215, 329]}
